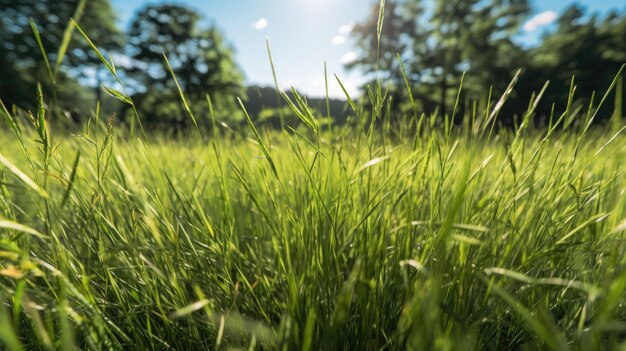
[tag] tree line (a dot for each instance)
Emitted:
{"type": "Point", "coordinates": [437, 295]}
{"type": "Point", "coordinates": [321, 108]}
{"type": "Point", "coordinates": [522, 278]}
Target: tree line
{"type": "Point", "coordinates": [437, 41]}
{"type": "Point", "coordinates": [200, 57]}
{"type": "Point", "coordinates": [425, 45]}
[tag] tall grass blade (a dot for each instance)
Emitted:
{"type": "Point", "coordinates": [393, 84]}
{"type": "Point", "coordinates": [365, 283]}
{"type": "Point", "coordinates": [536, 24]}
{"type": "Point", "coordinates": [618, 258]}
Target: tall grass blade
{"type": "Point", "coordinates": [180, 92]}
{"type": "Point", "coordinates": [22, 176]}
{"type": "Point", "coordinates": [264, 149]}
{"type": "Point", "coordinates": [43, 51]}
{"type": "Point", "coordinates": [67, 35]}
{"type": "Point", "coordinates": [276, 87]}
{"type": "Point", "coordinates": [6, 224]}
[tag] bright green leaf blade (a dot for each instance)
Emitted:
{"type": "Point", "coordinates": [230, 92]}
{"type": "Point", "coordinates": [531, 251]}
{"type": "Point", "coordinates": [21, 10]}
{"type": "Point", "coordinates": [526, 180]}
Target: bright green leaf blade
{"type": "Point", "coordinates": [21, 175]}
{"type": "Point", "coordinates": [67, 35]}
{"type": "Point", "coordinates": [196, 306]}
{"type": "Point", "coordinates": [6, 224]}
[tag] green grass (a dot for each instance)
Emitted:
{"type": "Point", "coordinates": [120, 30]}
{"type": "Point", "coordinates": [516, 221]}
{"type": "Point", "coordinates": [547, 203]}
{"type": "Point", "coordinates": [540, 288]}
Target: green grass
{"type": "Point", "coordinates": [415, 234]}
{"type": "Point", "coordinates": [368, 237]}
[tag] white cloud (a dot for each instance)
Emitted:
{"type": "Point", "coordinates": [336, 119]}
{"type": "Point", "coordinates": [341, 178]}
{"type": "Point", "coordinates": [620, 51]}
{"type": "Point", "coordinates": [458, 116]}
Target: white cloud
{"type": "Point", "coordinates": [539, 20]}
{"type": "Point", "coordinates": [338, 40]}
{"type": "Point", "coordinates": [260, 24]}
{"type": "Point", "coordinates": [348, 57]}
{"type": "Point", "coordinates": [346, 28]}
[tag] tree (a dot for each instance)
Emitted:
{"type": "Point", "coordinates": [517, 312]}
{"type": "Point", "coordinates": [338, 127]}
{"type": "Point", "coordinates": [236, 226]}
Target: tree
{"type": "Point", "coordinates": [21, 61]}
{"type": "Point", "coordinates": [201, 60]}
{"type": "Point", "coordinates": [584, 47]}
{"type": "Point", "coordinates": [438, 45]}
{"type": "Point", "coordinates": [475, 36]}
{"type": "Point", "coordinates": [402, 28]}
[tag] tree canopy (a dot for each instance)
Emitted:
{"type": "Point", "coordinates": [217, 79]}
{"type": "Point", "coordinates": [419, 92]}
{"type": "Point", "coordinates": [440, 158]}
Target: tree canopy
{"type": "Point", "coordinates": [200, 59]}
{"type": "Point", "coordinates": [439, 40]}
{"type": "Point", "coordinates": [436, 41]}
{"type": "Point", "coordinates": [21, 60]}
{"type": "Point", "coordinates": [437, 45]}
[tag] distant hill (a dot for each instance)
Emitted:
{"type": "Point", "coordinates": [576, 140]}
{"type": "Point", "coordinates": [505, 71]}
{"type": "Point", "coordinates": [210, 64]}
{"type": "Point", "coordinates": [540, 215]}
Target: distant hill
{"type": "Point", "coordinates": [262, 98]}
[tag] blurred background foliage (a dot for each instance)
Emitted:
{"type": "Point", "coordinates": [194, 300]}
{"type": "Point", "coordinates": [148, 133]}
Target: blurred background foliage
{"type": "Point", "coordinates": [437, 41]}
{"type": "Point", "coordinates": [475, 36]}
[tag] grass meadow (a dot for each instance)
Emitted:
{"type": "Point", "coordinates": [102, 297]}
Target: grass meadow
{"type": "Point", "coordinates": [350, 238]}
{"type": "Point", "coordinates": [389, 233]}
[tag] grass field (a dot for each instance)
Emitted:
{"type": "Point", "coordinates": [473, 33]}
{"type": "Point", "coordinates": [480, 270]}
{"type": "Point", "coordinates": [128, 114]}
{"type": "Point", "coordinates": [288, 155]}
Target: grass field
{"type": "Point", "coordinates": [368, 237]}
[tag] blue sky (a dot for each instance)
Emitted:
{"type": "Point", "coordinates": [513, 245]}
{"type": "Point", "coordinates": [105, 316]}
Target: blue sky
{"type": "Point", "coordinates": [306, 33]}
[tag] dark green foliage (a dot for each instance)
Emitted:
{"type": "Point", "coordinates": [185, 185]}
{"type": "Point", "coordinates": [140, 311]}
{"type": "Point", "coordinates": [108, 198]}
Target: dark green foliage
{"type": "Point", "coordinates": [585, 47]}
{"type": "Point", "coordinates": [438, 40]}
{"type": "Point", "coordinates": [201, 60]}
{"type": "Point", "coordinates": [21, 60]}
{"type": "Point", "coordinates": [402, 33]}
{"type": "Point", "coordinates": [436, 46]}
{"type": "Point", "coordinates": [263, 107]}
